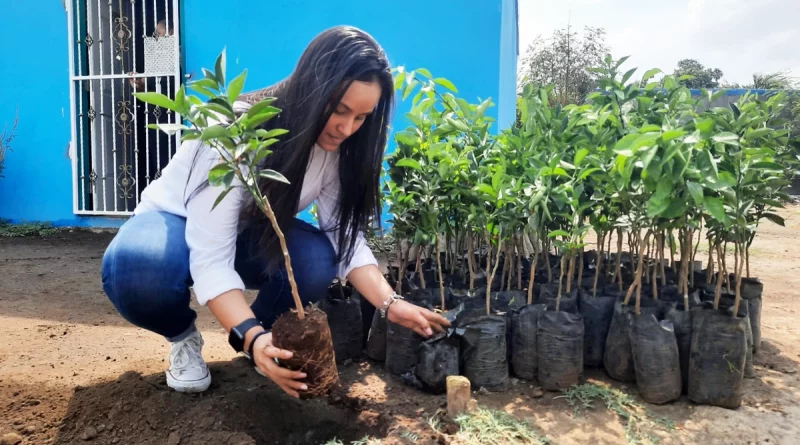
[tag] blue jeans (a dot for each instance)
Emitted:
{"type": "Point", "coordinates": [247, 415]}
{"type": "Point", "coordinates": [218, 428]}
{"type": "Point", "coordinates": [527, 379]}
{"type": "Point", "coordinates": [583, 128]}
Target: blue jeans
{"type": "Point", "coordinates": [146, 273]}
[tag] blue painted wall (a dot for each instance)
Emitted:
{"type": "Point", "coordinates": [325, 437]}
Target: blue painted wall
{"type": "Point", "coordinates": [471, 42]}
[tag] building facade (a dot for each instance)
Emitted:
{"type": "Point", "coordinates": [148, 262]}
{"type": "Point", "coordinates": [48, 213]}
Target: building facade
{"type": "Point", "coordinates": [83, 153]}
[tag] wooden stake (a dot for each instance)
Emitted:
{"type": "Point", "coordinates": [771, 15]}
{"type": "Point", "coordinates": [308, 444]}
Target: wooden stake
{"type": "Point", "coordinates": [458, 395]}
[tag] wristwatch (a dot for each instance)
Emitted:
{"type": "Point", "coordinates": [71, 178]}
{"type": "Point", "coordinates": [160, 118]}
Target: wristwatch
{"type": "Point", "coordinates": [236, 336]}
{"type": "Point", "coordinates": [388, 302]}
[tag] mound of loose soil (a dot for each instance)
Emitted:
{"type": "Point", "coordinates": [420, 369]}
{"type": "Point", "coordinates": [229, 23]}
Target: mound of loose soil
{"type": "Point", "coordinates": [241, 408]}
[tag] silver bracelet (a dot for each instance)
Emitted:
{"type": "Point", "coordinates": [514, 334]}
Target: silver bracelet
{"type": "Point", "coordinates": [388, 302]}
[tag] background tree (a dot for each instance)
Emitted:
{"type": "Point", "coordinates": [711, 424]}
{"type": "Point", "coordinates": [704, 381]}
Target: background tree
{"type": "Point", "coordinates": [702, 77]}
{"type": "Point", "coordinates": [563, 60]}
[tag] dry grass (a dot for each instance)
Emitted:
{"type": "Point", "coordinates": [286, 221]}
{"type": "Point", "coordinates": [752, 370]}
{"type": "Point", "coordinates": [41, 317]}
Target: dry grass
{"type": "Point", "coordinates": [639, 421]}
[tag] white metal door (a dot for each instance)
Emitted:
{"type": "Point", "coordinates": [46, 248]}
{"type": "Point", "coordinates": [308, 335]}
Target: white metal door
{"type": "Point", "coordinates": [118, 47]}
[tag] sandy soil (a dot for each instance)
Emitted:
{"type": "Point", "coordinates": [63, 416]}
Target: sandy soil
{"type": "Point", "coordinates": [72, 371]}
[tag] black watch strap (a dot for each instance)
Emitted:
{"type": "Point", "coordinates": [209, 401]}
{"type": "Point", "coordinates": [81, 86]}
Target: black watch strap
{"type": "Point", "coordinates": [252, 343]}
{"type": "Point", "coordinates": [236, 336]}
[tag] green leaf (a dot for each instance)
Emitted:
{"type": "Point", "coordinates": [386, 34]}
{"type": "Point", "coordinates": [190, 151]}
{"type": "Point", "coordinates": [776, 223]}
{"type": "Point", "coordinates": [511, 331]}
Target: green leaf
{"type": "Point", "coordinates": [696, 190]}
{"type": "Point", "coordinates": [775, 218]}
{"type": "Point", "coordinates": [398, 80]}
{"type": "Point", "coordinates": [715, 208]}
{"type": "Point", "coordinates": [424, 72]}
{"type": "Point", "coordinates": [657, 205]}
{"type": "Point", "coordinates": [236, 86]}
{"type": "Point", "coordinates": [221, 197]}
{"type": "Point", "coordinates": [157, 99]}
{"type": "Point", "coordinates": [408, 163]}
{"type": "Point", "coordinates": [486, 188]}
{"type": "Point", "coordinates": [705, 126]}
{"type": "Point", "coordinates": [555, 233]}
{"type": "Point", "coordinates": [676, 209]}
{"type": "Point", "coordinates": [218, 172]}
{"type": "Point", "coordinates": [764, 165]}
{"type": "Point", "coordinates": [672, 134]}
{"type": "Point", "coordinates": [726, 138]}
{"type": "Point", "coordinates": [628, 75]}
{"type": "Point", "coordinates": [649, 74]}
{"type": "Point", "coordinates": [265, 134]}
{"type": "Point", "coordinates": [215, 132]}
{"type": "Point", "coordinates": [580, 155]}
{"type": "Point", "coordinates": [260, 107]}
{"type": "Point", "coordinates": [219, 67]}
{"type": "Point", "coordinates": [446, 83]}
{"type": "Point", "coordinates": [273, 175]}
{"type": "Point", "coordinates": [171, 129]}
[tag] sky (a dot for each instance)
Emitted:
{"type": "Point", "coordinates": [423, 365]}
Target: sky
{"type": "Point", "coordinates": [740, 37]}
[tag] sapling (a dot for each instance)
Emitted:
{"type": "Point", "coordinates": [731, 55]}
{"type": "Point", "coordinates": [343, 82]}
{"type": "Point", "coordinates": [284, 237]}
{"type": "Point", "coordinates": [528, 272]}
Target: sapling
{"type": "Point", "coordinates": [243, 144]}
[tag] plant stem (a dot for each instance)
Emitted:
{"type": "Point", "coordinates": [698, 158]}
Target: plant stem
{"type": "Point", "coordinates": [267, 208]}
{"type": "Point", "coordinates": [661, 263]}
{"type": "Point", "coordinates": [739, 266]}
{"type": "Point", "coordinates": [471, 259]}
{"type": "Point", "coordinates": [724, 254]}
{"type": "Point", "coordinates": [439, 267]}
{"type": "Point", "coordinates": [618, 272]}
{"type": "Point", "coordinates": [494, 271]}
{"type": "Point", "coordinates": [580, 269]}
{"type": "Point", "coordinates": [599, 265]}
{"type": "Point", "coordinates": [560, 281]}
{"type": "Point", "coordinates": [687, 248]}
{"type": "Point", "coordinates": [570, 272]}
{"type": "Point", "coordinates": [672, 249]}
{"type": "Point", "coordinates": [547, 261]}
{"type": "Point", "coordinates": [419, 266]}
{"type": "Point", "coordinates": [637, 281]}
{"type": "Point", "coordinates": [400, 266]}
{"type": "Point", "coordinates": [710, 267]}
{"type": "Point", "coordinates": [533, 275]}
{"type": "Point", "coordinates": [718, 289]}
{"type": "Point", "coordinates": [520, 249]}
{"type": "Point", "coordinates": [747, 259]}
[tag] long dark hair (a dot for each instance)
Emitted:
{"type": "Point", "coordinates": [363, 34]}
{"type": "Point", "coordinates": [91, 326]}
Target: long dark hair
{"type": "Point", "coordinates": [330, 64]}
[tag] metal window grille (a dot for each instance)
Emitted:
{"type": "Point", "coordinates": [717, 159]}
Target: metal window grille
{"type": "Point", "coordinates": [118, 47]}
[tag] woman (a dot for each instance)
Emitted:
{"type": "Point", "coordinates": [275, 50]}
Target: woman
{"type": "Point", "coordinates": [337, 107]}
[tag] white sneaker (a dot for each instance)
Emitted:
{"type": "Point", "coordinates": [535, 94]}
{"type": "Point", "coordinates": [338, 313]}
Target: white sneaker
{"type": "Point", "coordinates": [188, 371]}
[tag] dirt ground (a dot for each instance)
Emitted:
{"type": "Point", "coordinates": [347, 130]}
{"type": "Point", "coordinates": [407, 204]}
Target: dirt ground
{"type": "Point", "coordinates": [72, 371]}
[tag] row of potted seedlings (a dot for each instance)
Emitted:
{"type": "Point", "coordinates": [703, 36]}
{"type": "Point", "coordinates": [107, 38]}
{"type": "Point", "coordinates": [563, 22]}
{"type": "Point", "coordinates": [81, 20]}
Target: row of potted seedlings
{"type": "Point", "coordinates": [491, 229]}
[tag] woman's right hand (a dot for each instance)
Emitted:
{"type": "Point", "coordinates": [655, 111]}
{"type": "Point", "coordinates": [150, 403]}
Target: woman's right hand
{"type": "Point", "coordinates": [265, 354]}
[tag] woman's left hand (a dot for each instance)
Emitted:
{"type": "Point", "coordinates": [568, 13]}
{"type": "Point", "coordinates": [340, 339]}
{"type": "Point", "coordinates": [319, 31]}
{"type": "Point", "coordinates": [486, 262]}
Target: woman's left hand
{"type": "Point", "coordinates": [422, 321]}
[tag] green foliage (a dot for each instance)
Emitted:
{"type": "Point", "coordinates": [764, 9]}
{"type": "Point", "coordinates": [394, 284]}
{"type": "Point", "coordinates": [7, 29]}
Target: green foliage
{"type": "Point", "coordinates": [693, 74]}
{"type": "Point", "coordinates": [7, 229]}
{"type": "Point", "coordinates": [239, 138]}
{"type": "Point", "coordinates": [565, 60]}
{"type": "Point", "coordinates": [639, 157]}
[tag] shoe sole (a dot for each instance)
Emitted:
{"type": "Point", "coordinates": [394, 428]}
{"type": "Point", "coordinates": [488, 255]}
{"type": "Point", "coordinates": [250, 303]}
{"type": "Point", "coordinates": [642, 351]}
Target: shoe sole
{"type": "Point", "coordinates": [190, 387]}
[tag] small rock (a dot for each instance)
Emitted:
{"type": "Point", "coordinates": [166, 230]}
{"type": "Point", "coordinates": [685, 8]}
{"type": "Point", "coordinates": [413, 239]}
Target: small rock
{"type": "Point", "coordinates": [101, 428]}
{"type": "Point", "coordinates": [89, 433]}
{"type": "Point", "coordinates": [420, 411]}
{"type": "Point", "coordinates": [514, 381]}
{"type": "Point", "coordinates": [537, 393]}
{"type": "Point", "coordinates": [115, 440]}
{"type": "Point", "coordinates": [483, 391]}
{"type": "Point", "coordinates": [174, 438]}
{"type": "Point", "coordinates": [30, 429]}
{"type": "Point", "coordinates": [10, 439]}
{"type": "Point", "coordinates": [347, 362]}
{"type": "Point", "coordinates": [207, 422]}
{"type": "Point", "coordinates": [472, 405]}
